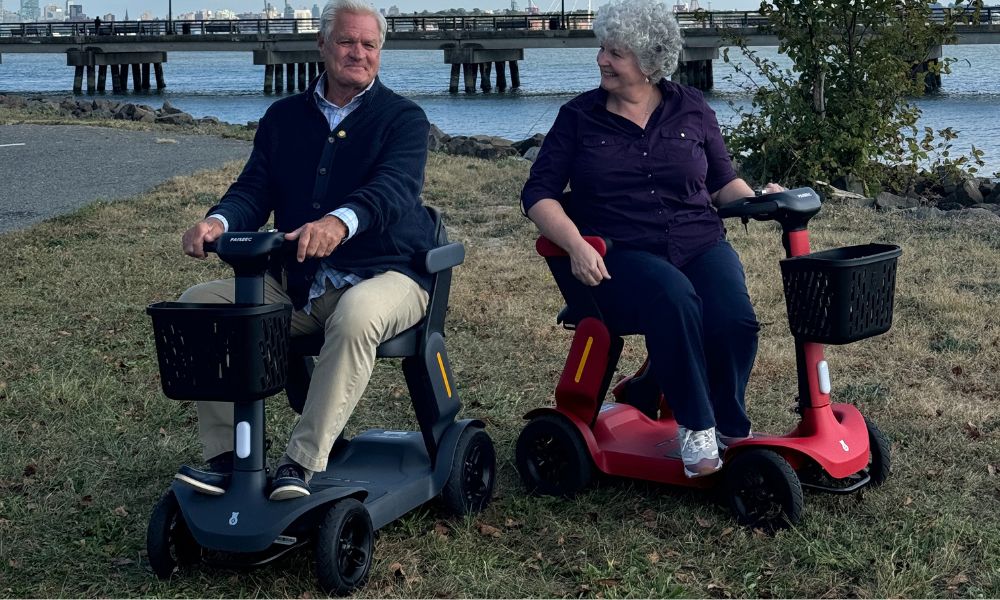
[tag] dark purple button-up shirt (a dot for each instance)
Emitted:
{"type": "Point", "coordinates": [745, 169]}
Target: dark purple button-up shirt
{"type": "Point", "coordinates": [647, 189]}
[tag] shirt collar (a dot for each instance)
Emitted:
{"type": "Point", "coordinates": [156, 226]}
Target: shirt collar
{"type": "Point", "coordinates": [600, 99]}
{"type": "Point", "coordinates": [320, 93]}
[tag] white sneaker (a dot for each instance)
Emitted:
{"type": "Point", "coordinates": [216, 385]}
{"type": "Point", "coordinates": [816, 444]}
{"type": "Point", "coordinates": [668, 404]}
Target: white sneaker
{"type": "Point", "coordinates": [725, 441]}
{"type": "Point", "coordinates": [699, 451]}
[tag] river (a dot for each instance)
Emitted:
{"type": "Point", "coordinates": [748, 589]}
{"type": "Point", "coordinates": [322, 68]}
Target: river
{"type": "Point", "coordinates": [228, 86]}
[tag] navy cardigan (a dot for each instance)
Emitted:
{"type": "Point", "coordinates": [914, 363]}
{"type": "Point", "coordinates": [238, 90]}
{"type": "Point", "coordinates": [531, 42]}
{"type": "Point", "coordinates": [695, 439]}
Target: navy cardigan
{"type": "Point", "coordinates": [372, 162]}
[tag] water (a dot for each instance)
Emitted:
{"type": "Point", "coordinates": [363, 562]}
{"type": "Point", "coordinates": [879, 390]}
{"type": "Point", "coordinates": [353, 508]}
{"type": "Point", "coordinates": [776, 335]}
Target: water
{"type": "Point", "coordinates": [228, 86]}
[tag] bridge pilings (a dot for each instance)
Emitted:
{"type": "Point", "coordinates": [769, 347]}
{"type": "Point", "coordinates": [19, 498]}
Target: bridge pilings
{"type": "Point", "coordinates": [120, 62]}
{"type": "Point", "coordinates": [296, 68]}
{"type": "Point", "coordinates": [474, 62]}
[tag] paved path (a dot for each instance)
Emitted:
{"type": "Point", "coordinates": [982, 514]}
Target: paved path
{"type": "Point", "coordinates": [49, 170]}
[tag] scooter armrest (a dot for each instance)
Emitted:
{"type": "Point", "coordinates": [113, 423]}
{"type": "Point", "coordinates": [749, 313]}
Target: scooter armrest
{"type": "Point", "coordinates": [547, 248]}
{"type": "Point", "coordinates": [444, 257]}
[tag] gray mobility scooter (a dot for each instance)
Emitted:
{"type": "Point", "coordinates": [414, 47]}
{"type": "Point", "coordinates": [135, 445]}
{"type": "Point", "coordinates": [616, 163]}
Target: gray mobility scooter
{"type": "Point", "coordinates": [243, 353]}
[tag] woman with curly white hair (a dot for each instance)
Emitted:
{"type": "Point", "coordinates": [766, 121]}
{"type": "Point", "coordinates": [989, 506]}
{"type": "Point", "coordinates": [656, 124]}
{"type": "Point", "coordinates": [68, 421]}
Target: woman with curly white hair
{"type": "Point", "coordinates": [646, 163]}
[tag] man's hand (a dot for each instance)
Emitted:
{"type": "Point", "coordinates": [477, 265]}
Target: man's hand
{"type": "Point", "coordinates": [206, 230]}
{"type": "Point", "coordinates": [318, 239]}
{"type": "Point", "coordinates": [587, 264]}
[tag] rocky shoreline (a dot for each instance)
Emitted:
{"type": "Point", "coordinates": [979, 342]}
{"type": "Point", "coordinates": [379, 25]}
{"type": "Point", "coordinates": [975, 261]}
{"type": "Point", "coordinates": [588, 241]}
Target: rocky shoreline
{"type": "Point", "coordinates": [945, 194]}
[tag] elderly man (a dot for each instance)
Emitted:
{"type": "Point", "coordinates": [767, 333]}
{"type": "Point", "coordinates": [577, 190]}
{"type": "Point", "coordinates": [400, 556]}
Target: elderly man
{"type": "Point", "coordinates": [341, 168]}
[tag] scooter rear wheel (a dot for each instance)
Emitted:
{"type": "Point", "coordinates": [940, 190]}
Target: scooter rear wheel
{"type": "Point", "coordinates": [344, 547]}
{"type": "Point", "coordinates": [470, 483]}
{"type": "Point", "coordinates": [552, 458]}
{"type": "Point", "coordinates": [764, 491]}
{"type": "Point", "coordinates": [169, 542]}
{"type": "Point", "coordinates": [879, 449]}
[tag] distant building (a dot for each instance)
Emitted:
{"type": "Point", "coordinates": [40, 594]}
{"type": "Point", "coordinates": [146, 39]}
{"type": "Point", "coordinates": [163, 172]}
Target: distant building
{"type": "Point", "coordinates": [289, 11]}
{"type": "Point", "coordinates": [108, 18]}
{"type": "Point", "coordinates": [393, 11]}
{"type": "Point", "coordinates": [53, 12]}
{"type": "Point", "coordinates": [316, 11]}
{"type": "Point", "coordinates": [225, 14]}
{"type": "Point", "coordinates": [29, 10]}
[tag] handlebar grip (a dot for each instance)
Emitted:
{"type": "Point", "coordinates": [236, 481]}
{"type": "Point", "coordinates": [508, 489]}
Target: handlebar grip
{"type": "Point", "coordinates": [208, 247]}
{"type": "Point", "coordinates": [748, 207]}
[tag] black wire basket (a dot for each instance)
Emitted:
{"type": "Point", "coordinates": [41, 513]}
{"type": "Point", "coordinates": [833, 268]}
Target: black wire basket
{"type": "Point", "coordinates": [224, 352]}
{"type": "Point", "coordinates": [842, 295]}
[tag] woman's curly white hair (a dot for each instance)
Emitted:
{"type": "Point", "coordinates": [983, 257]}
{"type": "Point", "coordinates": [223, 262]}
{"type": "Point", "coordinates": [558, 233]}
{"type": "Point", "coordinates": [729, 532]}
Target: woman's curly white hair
{"type": "Point", "coordinates": [647, 28]}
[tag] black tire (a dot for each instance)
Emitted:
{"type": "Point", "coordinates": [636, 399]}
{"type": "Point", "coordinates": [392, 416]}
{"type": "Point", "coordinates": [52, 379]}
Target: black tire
{"type": "Point", "coordinates": [344, 547]}
{"type": "Point", "coordinates": [879, 449]}
{"type": "Point", "coordinates": [552, 458]}
{"type": "Point", "coordinates": [169, 543]}
{"type": "Point", "coordinates": [763, 490]}
{"type": "Point", "coordinates": [473, 473]}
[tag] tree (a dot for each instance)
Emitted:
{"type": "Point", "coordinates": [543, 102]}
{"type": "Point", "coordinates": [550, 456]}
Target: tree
{"type": "Point", "coordinates": [844, 107]}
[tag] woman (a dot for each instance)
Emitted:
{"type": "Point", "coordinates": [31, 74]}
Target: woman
{"type": "Point", "coordinates": [646, 162]}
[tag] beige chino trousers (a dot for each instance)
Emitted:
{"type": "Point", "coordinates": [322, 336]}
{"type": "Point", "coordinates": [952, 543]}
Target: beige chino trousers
{"type": "Point", "coordinates": [355, 319]}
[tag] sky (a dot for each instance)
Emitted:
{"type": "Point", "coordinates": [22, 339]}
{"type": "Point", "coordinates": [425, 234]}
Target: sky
{"type": "Point", "coordinates": [159, 7]}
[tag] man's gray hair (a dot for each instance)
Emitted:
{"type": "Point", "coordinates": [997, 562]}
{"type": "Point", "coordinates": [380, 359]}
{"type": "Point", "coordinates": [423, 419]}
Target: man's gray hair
{"type": "Point", "coordinates": [336, 7]}
{"type": "Point", "coordinates": [646, 27]}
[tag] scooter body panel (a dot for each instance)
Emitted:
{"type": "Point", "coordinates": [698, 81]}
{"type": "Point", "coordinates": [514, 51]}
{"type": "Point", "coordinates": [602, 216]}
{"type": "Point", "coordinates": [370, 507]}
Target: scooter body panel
{"type": "Point", "coordinates": [244, 520]}
{"type": "Point", "coordinates": [393, 468]}
{"type": "Point", "coordinates": [835, 436]}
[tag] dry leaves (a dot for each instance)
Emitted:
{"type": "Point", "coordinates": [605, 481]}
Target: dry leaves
{"type": "Point", "coordinates": [971, 430]}
{"type": "Point", "coordinates": [121, 512]}
{"type": "Point", "coordinates": [488, 530]}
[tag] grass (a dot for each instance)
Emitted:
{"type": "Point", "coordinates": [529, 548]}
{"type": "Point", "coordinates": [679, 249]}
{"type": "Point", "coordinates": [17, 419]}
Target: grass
{"type": "Point", "coordinates": [89, 442]}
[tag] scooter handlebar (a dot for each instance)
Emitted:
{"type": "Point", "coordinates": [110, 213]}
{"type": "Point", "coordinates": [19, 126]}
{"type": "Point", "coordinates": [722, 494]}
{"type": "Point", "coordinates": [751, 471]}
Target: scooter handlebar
{"type": "Point", "coordinates": [249, 244]}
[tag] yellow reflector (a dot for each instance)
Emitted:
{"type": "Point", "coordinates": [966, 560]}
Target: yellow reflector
{"type": "Point", "coordinates": [444, 375]}
{"type": "Point", "coordinates": [583, 359]}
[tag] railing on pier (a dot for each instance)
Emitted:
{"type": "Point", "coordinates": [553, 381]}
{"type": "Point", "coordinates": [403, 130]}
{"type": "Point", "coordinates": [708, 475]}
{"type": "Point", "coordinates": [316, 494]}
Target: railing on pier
{"type": "Point", "coordinates": [986, 15]}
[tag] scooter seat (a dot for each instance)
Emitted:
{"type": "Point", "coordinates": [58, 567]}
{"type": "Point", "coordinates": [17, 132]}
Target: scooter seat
{"type": "Point", "coordinates": [570, 316]}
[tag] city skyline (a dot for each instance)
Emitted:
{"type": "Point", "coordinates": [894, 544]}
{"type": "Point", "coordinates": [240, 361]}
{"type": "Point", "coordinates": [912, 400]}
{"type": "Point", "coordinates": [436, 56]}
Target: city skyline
{"type": "Point", "coordinates": [158, 8]}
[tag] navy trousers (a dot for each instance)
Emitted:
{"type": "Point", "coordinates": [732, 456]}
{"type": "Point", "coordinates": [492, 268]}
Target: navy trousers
{"type": "Point", "coordinates": [699, 325]}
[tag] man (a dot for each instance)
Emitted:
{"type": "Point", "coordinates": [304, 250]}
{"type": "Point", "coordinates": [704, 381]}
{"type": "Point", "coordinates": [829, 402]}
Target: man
{"type": "Point", "coordinates": [341, 167]}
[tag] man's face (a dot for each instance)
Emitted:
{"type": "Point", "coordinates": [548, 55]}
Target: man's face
{"type": "Point", "coordinates": [351, 52]}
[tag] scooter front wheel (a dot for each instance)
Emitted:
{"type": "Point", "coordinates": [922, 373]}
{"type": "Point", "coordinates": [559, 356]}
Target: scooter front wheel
{"type": "Point", "coordinates": [879, 451]}
{"type": "Point", "coordinates": [344, 546]}
{"type": "Point", "coordinates": [764, 491]}
{"type": "Point", "coordinates": [473, 473]}
{"type": "Point", "coordinates": [552, 458]}
{"type": "Point", "coordinates": [169, 543]}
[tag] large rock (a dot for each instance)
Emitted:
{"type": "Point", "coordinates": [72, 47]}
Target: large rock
{"type": "Point", "coordinates": [532, 154]}
{"type": "Point", "coordinates": [481, 146]}
{"type": "Point", "coordinates": [437, 139]}
{"type": "Point", "coordinates": [176, 119]}
{"type": "Point", "coordinates": [994, 197]}
{"type": "Point", "coordinates": [169, 109]}
{"type": "Point", "coordinates": [533, 142]}
{"type": "Point", "coordinates": [850, 183]}
{"type": "Point", "coordinates": [835, 195]}
{"type": "Point", "coordinates": [965, 194]}
{"type": "Point", "coordinates": [887, 201]}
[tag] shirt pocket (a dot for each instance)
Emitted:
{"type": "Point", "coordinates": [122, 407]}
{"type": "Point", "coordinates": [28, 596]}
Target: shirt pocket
{"type": "Point", "coordinates": [680, 145]}
{"type": "Point", "coordinates": [600, 155]}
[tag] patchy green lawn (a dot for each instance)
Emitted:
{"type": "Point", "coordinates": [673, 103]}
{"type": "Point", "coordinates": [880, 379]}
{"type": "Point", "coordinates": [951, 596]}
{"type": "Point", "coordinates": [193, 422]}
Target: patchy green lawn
{"type": "Point", "coordinates": [89, 443]}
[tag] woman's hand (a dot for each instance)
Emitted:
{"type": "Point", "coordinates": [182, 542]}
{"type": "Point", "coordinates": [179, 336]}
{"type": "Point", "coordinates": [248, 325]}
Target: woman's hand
{"type": "Point", "coordinates": [772, 187]}
{"type": "Point", "coordinates": [587, 264]}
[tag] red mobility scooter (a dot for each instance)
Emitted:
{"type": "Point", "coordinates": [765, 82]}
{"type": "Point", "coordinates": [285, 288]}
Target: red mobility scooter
{"type": "Point", "coordinates": [832, 297]}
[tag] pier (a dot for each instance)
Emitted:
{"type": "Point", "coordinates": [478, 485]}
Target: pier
{"type": "Point", "coordinates": [480, 51]}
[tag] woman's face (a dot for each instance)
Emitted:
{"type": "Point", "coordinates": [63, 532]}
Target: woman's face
{"type": "Point", "coordinates": [619, 68]}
